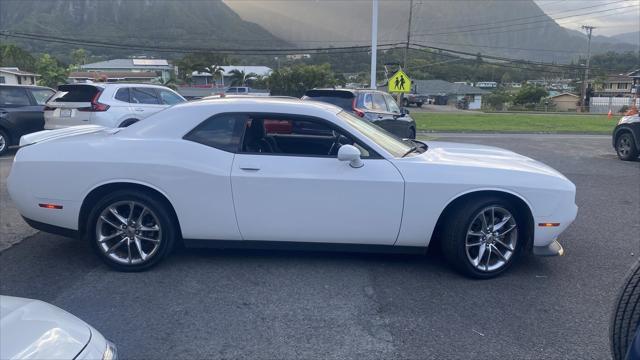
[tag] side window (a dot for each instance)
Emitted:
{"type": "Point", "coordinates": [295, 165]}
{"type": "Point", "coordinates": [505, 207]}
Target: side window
{"type": "Point", "coordinates": [378, 103]}
{"type": "Point", "coordinates": [123, 95]}
{"type": "Point", "coordinates": [294, 136]}
{"type": "Point", "coordinates": [169, 98]}
{"type": "Point", "coordinates": [242, 90]}
{"type": "Point", "coordinates": [144, 96]}
{"type": "Point", "coordinates": [222, 132]}
{"type": "Point", "coordinates": [368, 102]}
{"type": "Point", "coordinates": [14, 97]}
{"type": "Point", "coordinates": [393, 106]}
{"type": "Point", "coordinates": [41, 95]}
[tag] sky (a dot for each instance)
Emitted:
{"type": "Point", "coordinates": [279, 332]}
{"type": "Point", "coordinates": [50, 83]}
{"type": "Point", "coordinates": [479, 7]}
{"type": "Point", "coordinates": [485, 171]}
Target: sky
{"type": "Point", "coordinates": [608, 22]}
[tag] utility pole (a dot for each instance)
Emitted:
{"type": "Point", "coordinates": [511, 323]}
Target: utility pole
{"type": "Point", "coordinates": [406, 49]}
{"type": "Point", "coordinates": [588, 29]}
{"type": "Point", "coordinates": [374, 43]}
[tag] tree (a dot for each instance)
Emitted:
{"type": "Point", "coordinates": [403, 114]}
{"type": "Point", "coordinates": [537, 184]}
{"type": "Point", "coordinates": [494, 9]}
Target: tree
{"type": "Point", "coordinates": [14, 56]}
{"type": "Point", "coordinates": [294, 81]}
{"type": "Point", "coordinates": [240, 78]}
{"type": "Point", "coordinates": [202, 62]}
{"type": "Point", "coordinates": [51, 72]}
{"type": "Point", "coordinates": [497, 99]}
{"type": "Point", "coordinates": [79, 57]}
{"type": "Point", "coordinates": [530, 94]}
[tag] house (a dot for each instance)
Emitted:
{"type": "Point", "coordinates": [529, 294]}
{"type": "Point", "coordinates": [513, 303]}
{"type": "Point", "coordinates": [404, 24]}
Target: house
{"type": "Point", "coordinates": [457, 91]}
{"type": "Point", "coordinates": [15, 76]}
{"type": "Point", "coordinates": [487, 84]}
{"type": "Point", "coordinates": [205, 84]}
{"type": "Point", "coordinates": [614, 85]}
{"type": "Point", "coordinates": [112, 76]}
{"type": "Point", "coordinates": [160, 67]}
{"type": "Point", "coordinates": [565, 101]}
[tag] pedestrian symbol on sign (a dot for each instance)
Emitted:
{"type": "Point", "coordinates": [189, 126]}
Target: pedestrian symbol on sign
{"type": "Point", "coordinates": [400, 82]}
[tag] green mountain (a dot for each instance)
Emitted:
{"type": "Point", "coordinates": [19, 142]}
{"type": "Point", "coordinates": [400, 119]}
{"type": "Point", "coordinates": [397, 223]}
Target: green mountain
{"type": "Point", "coordinates": [162, 23]}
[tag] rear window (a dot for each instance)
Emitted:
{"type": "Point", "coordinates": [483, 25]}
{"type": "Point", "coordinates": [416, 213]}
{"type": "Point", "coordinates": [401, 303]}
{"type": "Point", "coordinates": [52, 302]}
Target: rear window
{"type": "Point", "coordinates": [342, 99]}
{"type": "Point", "coordinates": [41, 95]}
{"type": "Point", "coordinates": [13, 97]}
{"type": "Point", "coordinates": [76, 93]}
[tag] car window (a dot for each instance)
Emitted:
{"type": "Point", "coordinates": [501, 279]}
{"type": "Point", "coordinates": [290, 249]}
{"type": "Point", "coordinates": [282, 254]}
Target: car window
{"type": "Point", "coordinates": [242, 90]}
{"type": "Point", "coordinates": [123, 94]}
{"type": "Point", "coordinates": [232, 90]}
{"type": "Point", "coordinates": [14, 97]}
{"type": "Point", "coordinates": [42, 95]}
{"type": "Point", "coordinates": [222, 132]}
{"type": "Point", "coordinates": [169, 98]}
{"type": "Point", "coordinates": [391, 103]}
{"type": "Point", "coordinates": [144, 96]}
{"type": "Point", "coordinates": [343, 102]}
{"type": "Point", "coordinates": [385, 140]}
{"type": "Point", "coordinates": [294, 136]}
{"type": "Point", "coordinates": [368, 102]}
{"type": "Point", "coordinates": [378, 103]}
{"type": "Point", "coordinates": [76, 93]}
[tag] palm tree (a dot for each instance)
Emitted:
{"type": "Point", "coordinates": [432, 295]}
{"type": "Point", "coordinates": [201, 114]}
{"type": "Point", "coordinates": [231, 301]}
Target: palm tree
{"type": "Point", "coordinates": [215, 70]}
{"type": "Point", "coordinates": [239, 77]}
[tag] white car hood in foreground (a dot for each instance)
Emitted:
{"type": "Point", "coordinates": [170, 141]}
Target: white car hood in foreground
{"type": "Point", "coordinates": [32, 329]}
{"type": "Point", "coordinates": [481, 156]}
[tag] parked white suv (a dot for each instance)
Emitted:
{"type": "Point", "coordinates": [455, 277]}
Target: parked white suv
{"type": "Point", "coordinates": [106, 104]}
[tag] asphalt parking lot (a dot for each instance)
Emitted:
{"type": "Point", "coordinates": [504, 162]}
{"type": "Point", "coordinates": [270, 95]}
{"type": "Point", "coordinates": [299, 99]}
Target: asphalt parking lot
{"type": "Point", "coordinates": [279, 304]}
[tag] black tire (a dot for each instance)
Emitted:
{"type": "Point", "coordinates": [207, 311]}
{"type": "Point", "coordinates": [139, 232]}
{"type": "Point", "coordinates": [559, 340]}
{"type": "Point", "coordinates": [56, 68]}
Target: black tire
{"type": "Point", "coordinates": [626, 147]}
{"type": "Point", "coordinates": [419, 104]}
{"type": "Point", "coordinates": [626, 314]}
{"type": "Point", "coordinates": [412, 133]}
{"type": "Point", "coordinates": [4, 142]}
{"type": "Point", "coordinates": [128, 122]}
{"type": "Point", "coordinates": [453, 235]}
{"type": "Point", "coordinates": [159, 209]}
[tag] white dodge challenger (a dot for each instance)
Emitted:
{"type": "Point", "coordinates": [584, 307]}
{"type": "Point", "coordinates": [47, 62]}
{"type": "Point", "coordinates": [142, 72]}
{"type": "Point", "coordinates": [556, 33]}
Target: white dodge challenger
{"type": "Point", "coordinates": [270, 172]}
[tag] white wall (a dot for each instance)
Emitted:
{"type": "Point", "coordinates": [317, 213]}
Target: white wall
{"type": "Point", "coordinates": [9, 79]}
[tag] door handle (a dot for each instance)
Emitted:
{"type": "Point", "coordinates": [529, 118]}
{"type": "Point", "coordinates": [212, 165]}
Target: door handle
{"type": "Point", "coordinates": [139, 109]}
{"type": "Point", "coordinates": [249, 168]}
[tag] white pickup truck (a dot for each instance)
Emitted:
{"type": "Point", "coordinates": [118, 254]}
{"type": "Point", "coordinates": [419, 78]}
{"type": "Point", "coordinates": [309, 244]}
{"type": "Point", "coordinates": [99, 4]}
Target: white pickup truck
{"type": "Point", "coordinates": [245, 90]}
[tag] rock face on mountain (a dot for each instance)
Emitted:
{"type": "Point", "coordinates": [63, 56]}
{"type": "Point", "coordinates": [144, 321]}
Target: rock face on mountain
{"type": "Point", "coordinates": [184, 23]}
{"type": "Point", "coordinates": [466, 25]}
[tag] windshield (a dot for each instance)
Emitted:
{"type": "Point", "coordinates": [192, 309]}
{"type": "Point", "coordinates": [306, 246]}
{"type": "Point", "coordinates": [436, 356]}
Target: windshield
{"type": "Point", "coordinates": [393, 145]}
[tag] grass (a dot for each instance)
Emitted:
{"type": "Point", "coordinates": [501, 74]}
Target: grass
{"type": "Point", "coordinates": [514, 123]}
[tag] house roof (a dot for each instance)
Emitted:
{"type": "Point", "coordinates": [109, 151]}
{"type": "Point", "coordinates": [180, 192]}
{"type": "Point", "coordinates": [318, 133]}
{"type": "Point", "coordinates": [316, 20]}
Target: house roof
{"type": "Point", "coordinates": [258, 70]}
{"type": "Point", "coordinates": [16, 71]}
{"type": "Point", "coordinates": [564, 94]}
{"type": "Point", "coordinates": [635, 73]}
{"type": "Point", "coordinates": [112, 74]}
{"type": "Point", "coordinates": [129, 64]}
{"type": "Point", "coordinates": [439, 87]}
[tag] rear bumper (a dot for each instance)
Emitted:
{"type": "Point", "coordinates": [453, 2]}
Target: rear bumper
{"type": "Point", "coordinates": [553, 249]}
{"type": "Point", "coordinates": [52, 229]}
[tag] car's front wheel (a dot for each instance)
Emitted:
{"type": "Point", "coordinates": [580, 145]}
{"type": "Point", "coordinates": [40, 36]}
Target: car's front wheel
{"type": "Point", "coordinates": [483, 237]}
{"type": "Point", "coordinates": [4, 142]}
{"type": "Point", "coordinates": [626, 147]}
{"type": "Point", "coordinates": [130, 230]}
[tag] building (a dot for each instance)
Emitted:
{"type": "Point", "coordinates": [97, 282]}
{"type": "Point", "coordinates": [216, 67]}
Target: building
{"type": "Point", "coordinates": [15, 76]}
{"type": "Point", "coordinates": [112, 76]}
{"type": "Point", "coordinates": [487, 84]}
{"type": "Point", "coordinates": [613, 86]}
{"type": "Point", "coordinates": [205, 84]}
{"type": "Point", "coordinates": [454, 91]}
{"type": "Point", "coordinates": [160, 67]}
{"type": "Point", "coordinates": [565, 102]}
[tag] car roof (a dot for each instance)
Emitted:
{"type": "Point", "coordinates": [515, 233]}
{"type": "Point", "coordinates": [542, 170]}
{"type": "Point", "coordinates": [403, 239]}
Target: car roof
{"type": "Point", "coordinates": [117, 85]}
{"type": "Point", "coordinates": [26, 86]}
{"type": "Point", "coordinates": [353, 91]}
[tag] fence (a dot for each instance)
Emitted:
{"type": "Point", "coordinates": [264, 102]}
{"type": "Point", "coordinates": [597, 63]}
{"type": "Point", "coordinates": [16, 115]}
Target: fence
{"type": "Point", "coordinates": [603, 104]}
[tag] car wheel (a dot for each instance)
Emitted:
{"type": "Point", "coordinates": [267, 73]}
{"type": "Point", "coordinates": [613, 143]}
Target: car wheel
{"type": "Point", "coordinates": [130, 230]}
{"type": "Point", "coordinates": [4, 142]}
{"type": "Point", "coordinates": [483, 237]}
{"type": "Point", "coordinates": [405, 103]}
{"type": "Point", "coordinates": [626, 315]}
{"type": "Point", "coordinates": [626, 147]}
{"type": "Point", "coordinates": [128, 122]}
{"type": "Point", "coordinates": [412, 133]}
{"type": "Point", "coordinates": [419, 105]}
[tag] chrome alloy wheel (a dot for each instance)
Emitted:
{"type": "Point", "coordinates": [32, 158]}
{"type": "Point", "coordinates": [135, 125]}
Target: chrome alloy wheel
{"type": "Point", "coordinates": [491, 238]}
{"type": "Point", "coordinates": [128, 232]}
{"type": "Point", "coordinates": [3, 143]}
{"type": "Point", "coordinates": [624, 146]}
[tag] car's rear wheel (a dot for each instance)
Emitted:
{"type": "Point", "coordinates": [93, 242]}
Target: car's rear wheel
{"type": "Point", "coordinates": [483, 237]}
{"type": "Point", "coordinates": [626, 147]}
{"type": "Point", "coordinates": [626, 315]}
{"type": "Point", "coordinates": [4, 142]}
{"type": "Point", "coordinates": [130, 230]}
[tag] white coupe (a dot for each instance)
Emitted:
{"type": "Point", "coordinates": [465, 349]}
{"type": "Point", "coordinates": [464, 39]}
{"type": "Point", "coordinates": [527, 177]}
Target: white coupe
{"type": "Point", "coordinates": [262, 172]}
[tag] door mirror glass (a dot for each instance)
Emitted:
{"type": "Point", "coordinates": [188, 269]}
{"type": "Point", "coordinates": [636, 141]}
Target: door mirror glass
{"type": "Point", "coordinates": [405, 111]}
{"type": "Point", "coordinates": [351, 154]}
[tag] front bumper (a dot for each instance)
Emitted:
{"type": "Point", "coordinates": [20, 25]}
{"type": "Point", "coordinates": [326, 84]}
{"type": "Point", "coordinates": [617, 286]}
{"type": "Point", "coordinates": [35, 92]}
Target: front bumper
{"type": "Point", "coordinates": [553, 249]}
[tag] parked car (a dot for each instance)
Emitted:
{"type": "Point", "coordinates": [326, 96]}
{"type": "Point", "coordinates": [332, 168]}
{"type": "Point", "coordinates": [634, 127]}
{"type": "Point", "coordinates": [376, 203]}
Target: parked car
{"type": "Point", "coordinates": [106, 104]}
{"type": "Point", "coordinates": [626, 137]}
{"type": "Point", "coordinates": [32, 329]}
{"type": "Point", "coordinates": [244, 172]}
{"type": "Point", "coordinates": [414, 99]}
{"type": "Point", "coordinates": [624, 331]}
{"type": "Point", "coordinates": [245, 90]}
{"type": "Point", "coordinates": [21, 112]}
{"type": "Point", "coordinates": [376, 106]}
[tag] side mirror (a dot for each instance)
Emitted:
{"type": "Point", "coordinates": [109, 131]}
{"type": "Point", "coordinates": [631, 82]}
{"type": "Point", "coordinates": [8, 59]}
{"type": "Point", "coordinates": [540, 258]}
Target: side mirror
{"type": "Point", "coordinates": [404, 111]}
{"type": "Point", "coordinates": [351, 154]}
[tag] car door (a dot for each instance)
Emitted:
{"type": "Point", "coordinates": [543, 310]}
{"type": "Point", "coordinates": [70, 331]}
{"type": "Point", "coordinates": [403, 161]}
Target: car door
{"type": "Point", "coordinates": [145, 101]}
{"type": "Point", "coordinates": [19, 112]}
{"type": "Point", "coordinates": [293, 187]}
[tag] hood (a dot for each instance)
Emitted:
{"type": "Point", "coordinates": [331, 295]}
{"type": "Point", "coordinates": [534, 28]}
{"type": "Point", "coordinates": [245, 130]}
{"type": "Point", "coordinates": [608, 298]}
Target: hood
{"type": "Point", "coordinates": [46, 135]}
{"type": "Point", "coordinates": [481, 156]}
{"type": "Point", "coordinates": [32, 329]}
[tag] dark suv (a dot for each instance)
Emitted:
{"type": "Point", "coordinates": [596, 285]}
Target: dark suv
{"type": "Point", "coordinates": [376, 106]}
{"type": "Point", "coordinates": [21, 112]}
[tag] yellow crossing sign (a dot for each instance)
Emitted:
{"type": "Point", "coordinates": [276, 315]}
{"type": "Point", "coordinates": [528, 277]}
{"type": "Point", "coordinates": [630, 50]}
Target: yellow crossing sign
{"type": "Point", "coordinates": [400, 83]}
